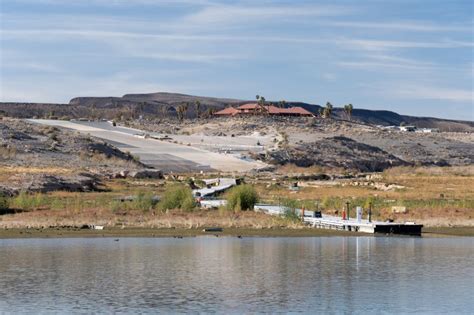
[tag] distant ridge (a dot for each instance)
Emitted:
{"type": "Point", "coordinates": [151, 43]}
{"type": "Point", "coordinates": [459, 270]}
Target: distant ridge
{"type": "Point", "coordinates": [165, 103]}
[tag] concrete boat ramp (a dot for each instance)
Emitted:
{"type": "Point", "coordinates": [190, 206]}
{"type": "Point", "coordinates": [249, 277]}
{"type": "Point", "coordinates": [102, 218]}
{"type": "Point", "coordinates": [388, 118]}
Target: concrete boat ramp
{"type": "Point", "coordinates": [322, 221]}
{"type": "Point", "coordinates": [161, 154]}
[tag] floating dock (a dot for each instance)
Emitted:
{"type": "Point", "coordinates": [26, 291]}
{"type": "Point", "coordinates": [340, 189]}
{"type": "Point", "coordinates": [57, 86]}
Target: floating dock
{"type": "Point", "coordinates": [323, 221]}
{"type": "Point", "coordinates": [215, 186]}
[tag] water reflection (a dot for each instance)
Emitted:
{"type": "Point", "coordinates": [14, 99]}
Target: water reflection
{"type": "Point", "coordinates": [229, 275]}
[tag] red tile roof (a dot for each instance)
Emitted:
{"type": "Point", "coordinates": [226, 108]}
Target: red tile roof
{"type": "Point", "coordinates": [297, 110]}
{"type": "Point", "coordinates": [249, 106]}
{"type": "Point", "coordinates": [272, 110]}
{"type": "Point", "coordinates": [227, 111]}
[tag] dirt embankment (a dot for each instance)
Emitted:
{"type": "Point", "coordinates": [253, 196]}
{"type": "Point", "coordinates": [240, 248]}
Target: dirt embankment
{"type": "Point", "coordinates": [42, 158]}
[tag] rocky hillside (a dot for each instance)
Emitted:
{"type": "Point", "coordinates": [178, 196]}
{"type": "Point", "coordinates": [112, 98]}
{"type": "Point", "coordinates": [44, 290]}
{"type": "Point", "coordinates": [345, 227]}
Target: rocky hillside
{"type": "Point", "coordinates": [43, 158]}
{"type": "Point", "coordinates": [153, 105]}
{"type": "Point", "coordinates": [336, 152]}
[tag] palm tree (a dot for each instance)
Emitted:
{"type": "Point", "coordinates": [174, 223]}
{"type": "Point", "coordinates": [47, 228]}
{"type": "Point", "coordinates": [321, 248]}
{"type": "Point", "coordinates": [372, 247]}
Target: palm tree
{"type": "Point", "coordinates": [328, 110]}
{"type": "Point", "coordinates": [282, 104]}
{"type": "Point", "coordinates": [348, 110]}
{"type": "Point", "coordinates": [180, 112]}
{"type": "Point", "coordinates": [197, 106]}
{"type": "Point", "coordinates": [321, 112]}
{"type": "Point", "coordinates": [185, 109]}
{"type": "Point", "coordinates": [261, 103]}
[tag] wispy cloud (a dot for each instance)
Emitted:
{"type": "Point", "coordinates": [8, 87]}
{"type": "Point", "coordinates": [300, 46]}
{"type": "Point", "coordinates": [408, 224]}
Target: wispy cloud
{"type": "Point", "coordinates": [433, 93]}
{"type": "Point", "coordinates": [112, 3]}
{"type": "Point", "coordinates": [378, 45]}
{"type": "Point", "coordinates": [379, 61]}
{"type": "Point", "coordinates": [72, 85]}
{"type": "Point", "coordinates": [238, 14]}
{"type": "Point", "coordinates": [363, 44]}
{"type": "Point", "coordinates": [30, 66]}
{"type": "Point", "coordinates": [411, 26]}
{"type": "Point", "coordinates": [68, 48]}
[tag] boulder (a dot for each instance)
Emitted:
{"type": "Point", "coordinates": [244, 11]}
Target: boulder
{"type": "Point", "coordinates": [155, 174]}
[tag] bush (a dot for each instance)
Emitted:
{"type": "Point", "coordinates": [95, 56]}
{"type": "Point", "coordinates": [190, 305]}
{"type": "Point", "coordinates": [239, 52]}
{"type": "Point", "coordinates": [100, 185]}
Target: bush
{"type": "Point", "coordinates": [177, 197]}
{"type": "Point", "coordinates": [291, 205]}
{"type": "Point", "coordinates": [242, 197]}
{"type": "Point", "coordinates": [143, 202]}
{"type": "Point", "coordinates": [28, 202]}
{"type": "Point", "coordinates": [3, 203]}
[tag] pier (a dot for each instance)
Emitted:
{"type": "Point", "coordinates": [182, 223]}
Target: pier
{"type": "Point", "coordinates": [322, 221]}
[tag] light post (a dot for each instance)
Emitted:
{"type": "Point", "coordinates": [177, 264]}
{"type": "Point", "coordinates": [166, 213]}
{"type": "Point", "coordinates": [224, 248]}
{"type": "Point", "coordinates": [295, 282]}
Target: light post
{"type": "Point", "coordinates": [370, 212]}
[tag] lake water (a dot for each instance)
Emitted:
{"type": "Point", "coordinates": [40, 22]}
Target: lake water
{"type": "Point", "coordinates": [330, 275]}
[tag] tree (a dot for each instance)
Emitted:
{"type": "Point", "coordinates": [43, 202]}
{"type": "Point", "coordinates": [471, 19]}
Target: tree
{"type": "Point", "coordinates": [185, 109]}
{"type": "Point", "coordinates": [164, 110]}
{"type": "Point", "coordinates": [180, 112]}
{"type": "Point", "coordinates": [209, 112]}
{"type": "Point", "coordinates": [328, 110]}
{"type": "Point", "coordinates": [261, 103]}
{"type": "Point", "coordinates": [282, 104]}
{"type": "Point", "coordinates": [197, 107]}
{"type": "Point", "coordinates": [348, 110]}
{"type": "Point", "coordinates": [321, 112]}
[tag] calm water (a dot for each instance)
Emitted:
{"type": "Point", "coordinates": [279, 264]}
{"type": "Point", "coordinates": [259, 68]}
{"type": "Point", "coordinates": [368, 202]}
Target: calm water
{"type": "Point", "coordinates": [229, 275]}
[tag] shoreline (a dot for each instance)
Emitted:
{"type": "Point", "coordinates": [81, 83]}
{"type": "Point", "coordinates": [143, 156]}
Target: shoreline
{"type": "Point", "coordinates": [20, 233]}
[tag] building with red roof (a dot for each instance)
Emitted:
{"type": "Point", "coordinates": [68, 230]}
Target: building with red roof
{"type": "Point", "coordinates": [257, 109]}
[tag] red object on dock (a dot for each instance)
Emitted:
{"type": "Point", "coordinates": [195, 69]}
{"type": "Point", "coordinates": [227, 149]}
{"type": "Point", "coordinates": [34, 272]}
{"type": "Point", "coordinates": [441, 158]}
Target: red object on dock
{"type": "Point", "coordinates": [343, 214]}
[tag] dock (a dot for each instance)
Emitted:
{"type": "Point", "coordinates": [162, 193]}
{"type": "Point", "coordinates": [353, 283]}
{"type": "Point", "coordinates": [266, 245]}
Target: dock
{"type": "Point", "coordinates": [322, 221]}
{"type": "Point", "coordinates": [215, 186]}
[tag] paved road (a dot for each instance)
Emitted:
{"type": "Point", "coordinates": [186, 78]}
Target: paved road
{"type": "Point", "coordinates": [169, 157]}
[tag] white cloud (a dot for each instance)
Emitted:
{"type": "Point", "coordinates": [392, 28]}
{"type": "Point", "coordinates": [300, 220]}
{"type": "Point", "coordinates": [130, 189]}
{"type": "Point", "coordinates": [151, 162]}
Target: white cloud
{"type": "Point", "coordinates": [380, 45]}
{"type": "Point", "coordinates": [361, 44]}
{"type": "Point", "coordinates": [412, 26]}
{"type": "Point", "coordinates": [186, 57]}
{"type": "Point", "coordinates": [112, 3]}
{"type": "Point", "coordinates": [62, 88]}
{"type": "Point", "coordinates": [377, 61]}
{"type": "Point", "coordinates": [238, 14]}
{"type": "Point", "coordinates": [433, 93]}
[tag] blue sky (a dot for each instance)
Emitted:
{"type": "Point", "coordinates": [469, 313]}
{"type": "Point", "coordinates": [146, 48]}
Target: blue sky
{"type": "Point", "coordinates": [411, 56]}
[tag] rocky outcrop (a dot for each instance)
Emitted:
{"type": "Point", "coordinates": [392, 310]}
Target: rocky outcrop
{"type": "Point", "coordinates": [27, 144]}
{"type": "Point", "coordinates": [45, 183]}
{"type": "Point", "coordinates": [138, 174]}
{"type": "Point", "coordinates": [338, 152]}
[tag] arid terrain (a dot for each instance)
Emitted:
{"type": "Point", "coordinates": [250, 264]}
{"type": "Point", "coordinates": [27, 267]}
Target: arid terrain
{"type": "Point", "coordinates": [321, 142]}
{"type": "Point", "coordinates": [165, 105]}
{"type": "Point", "coordinates": [66, 174]}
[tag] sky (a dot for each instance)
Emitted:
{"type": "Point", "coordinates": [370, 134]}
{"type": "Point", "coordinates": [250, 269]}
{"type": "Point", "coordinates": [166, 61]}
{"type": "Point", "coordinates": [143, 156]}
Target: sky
{"type": "Point", "coordinates": [414, 57]}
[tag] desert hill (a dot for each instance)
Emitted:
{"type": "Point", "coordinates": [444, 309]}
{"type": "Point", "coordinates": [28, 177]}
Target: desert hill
{"type": "Point", "coordinates": [155, 105]}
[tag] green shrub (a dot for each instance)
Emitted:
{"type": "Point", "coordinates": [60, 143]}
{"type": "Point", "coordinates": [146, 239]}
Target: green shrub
{"type": "Point", "coordinates": [25, 201]}
{"type": "Point", "coordinates": [143, 202]}
{"type": "Point", "coordinates": [291, 205]}
{"type": "Point", "coordinates": [3, 203]}
{"type": "Point", "coordinates": [177, 197]}
{"type": "Point", "coordinates": [242, 197]}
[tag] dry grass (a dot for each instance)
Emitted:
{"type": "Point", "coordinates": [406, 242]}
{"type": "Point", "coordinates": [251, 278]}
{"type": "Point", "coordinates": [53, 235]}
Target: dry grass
{"type": "Point", "coordinates": [433, 196]}
{"type": "Point", "coordinates": [7, 171]}
{"type": "Point", "coordinates": [152, 219]}
{"type": "Point", "coordinates": [293, 169]}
